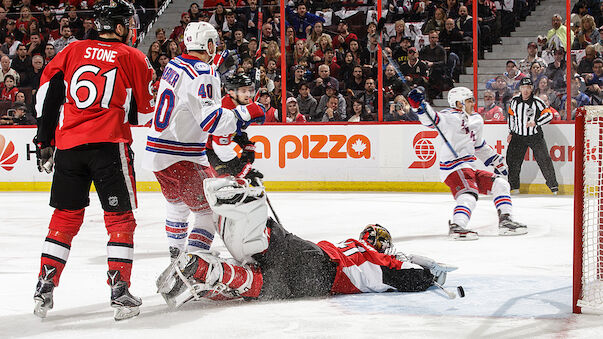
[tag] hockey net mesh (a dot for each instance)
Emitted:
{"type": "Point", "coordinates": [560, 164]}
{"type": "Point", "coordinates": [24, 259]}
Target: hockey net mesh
{"type": "Point", "coordinates": [591, 297]}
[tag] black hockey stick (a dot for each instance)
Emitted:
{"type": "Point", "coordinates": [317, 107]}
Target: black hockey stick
{"type": "Point", "coordinates": [261, 183]}
{"type": "Point", "coordinates": [380, 25]}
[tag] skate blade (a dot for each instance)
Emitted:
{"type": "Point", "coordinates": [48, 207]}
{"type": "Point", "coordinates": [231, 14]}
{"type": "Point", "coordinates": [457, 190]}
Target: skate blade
{"type": "Point", "coordinates": [503, 231]}
{"type": "Point", "coordinates": [464, 237]}
{"type": "Point", "coordinates": [123, 312]}
{"type": "Point", "coordinates": [40, 310]}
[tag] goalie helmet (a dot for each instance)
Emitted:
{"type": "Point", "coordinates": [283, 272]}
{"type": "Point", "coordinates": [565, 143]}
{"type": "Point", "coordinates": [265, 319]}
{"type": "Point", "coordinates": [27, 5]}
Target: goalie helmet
{"type": "Point", "coordinates": [376, 236]}
{"type": "Point", "coordinates": [197, 36]}
{"type": "Point", "coordinates": [459, 94]}
{"type": "Point", "coordinates": [109, 13]}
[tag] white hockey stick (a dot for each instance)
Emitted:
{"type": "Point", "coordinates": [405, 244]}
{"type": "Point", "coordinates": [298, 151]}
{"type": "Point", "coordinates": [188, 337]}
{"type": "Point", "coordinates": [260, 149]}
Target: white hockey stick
{"type": "Point", "coordinates": [450, 294]}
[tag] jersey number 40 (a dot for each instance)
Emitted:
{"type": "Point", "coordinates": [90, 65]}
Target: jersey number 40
{"type": "Point", "coordinates": [164, 110]}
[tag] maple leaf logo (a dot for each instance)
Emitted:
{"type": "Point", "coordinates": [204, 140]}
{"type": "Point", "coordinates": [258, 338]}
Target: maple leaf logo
{"type": "Point", "coordinates": [358, 146]}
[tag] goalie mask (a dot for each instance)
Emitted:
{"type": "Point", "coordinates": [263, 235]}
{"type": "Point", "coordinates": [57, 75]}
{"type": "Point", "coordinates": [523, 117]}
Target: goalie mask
{"type": "Point", "coordinates": [377, 236]}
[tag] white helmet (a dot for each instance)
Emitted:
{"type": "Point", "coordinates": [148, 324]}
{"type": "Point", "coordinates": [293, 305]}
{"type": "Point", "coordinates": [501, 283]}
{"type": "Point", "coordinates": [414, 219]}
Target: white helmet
{"type": "Point", "coordinates": [197, 36]}
{"type": "Point", "coordinates": [459, 94]}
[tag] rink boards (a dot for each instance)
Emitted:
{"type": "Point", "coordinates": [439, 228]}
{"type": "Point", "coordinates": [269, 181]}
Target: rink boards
{"type": "Point", "coordinates": [354, 157]}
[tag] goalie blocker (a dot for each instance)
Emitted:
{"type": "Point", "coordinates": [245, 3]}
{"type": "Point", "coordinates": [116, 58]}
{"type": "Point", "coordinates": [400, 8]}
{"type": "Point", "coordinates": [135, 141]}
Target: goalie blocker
{"type": "Point", "coordinates": [271, 263]}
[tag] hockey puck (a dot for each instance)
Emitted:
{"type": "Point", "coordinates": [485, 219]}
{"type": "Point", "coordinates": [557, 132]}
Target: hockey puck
{"type": "Point", "coordinates": [461, 291]}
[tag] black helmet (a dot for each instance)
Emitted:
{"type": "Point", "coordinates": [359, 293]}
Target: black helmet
{"type": "Point", "coordinates": [237, 80]}
{"type": "Point", "coordinates": [110, 13]}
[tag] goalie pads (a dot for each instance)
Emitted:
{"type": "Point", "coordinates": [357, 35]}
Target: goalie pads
{"type": "Point", "coordinates": [243, 215]}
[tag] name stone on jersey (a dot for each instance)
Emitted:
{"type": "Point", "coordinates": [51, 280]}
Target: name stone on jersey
{"type": "Point", "coordinates": [100, 54]}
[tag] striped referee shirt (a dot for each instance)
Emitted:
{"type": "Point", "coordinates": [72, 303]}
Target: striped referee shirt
{"type": "Point", "coordinates": [523, 111]}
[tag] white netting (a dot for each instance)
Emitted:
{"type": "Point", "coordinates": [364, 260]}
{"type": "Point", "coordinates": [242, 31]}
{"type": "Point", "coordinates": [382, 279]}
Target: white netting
{"type": "Point", "coordinates": [592, 238]}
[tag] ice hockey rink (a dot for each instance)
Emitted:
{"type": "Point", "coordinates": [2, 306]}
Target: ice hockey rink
{"type": "Point", "coordinates": [516, 287]}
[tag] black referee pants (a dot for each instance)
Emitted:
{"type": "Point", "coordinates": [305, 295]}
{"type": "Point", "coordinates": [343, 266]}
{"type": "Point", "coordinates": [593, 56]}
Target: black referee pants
{"type": "Point", "coordinates": [517, 151]}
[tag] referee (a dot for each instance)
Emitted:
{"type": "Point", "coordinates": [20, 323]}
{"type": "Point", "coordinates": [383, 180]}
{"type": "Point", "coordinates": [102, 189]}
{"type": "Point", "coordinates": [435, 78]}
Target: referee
{"type": "Point", "coordinates": [526, 116]}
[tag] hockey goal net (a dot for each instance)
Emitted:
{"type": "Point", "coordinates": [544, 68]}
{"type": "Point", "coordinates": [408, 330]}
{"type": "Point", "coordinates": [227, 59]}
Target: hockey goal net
{"type": "Point", "coordinates": [588, 206]}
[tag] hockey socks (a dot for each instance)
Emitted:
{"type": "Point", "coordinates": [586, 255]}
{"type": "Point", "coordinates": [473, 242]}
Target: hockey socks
{"type": "Point", "coordinates": [64, 225]}
{"type": "Point", "coordinates": [120, 248]}
{"type": "Point", "coordinates": [176, 225]}
{"type": "Point", "coordinates": [465, 203]}
{"type": "Point", "coordinates": [502, 196]}
{"type": "Point", "coordinates": [202, 234]}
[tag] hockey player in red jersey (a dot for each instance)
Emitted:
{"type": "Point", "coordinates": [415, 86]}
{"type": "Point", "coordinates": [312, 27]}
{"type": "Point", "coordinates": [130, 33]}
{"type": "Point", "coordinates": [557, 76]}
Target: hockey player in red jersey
{"type": "Point", "coordinates": [220, 149]}
{"type": "Point", "coordinates": [461, 132]}
{"type": "Point", "coordinates": [189, 109]}
{"type": "Point", "coordinates": [271, 263]}
{"type": "Point", "coordinates": [89, 95]}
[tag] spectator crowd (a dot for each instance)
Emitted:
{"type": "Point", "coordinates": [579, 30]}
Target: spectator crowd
{"type": "Point", "coordinates": [331, 52]}
{"type": "Point", "coordinates": [31, 34]}
{"type": "Point", "coordinates": [546, 65]}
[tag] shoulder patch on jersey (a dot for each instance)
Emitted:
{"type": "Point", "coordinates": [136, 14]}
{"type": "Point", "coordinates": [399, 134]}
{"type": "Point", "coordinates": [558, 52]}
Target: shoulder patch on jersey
{"type": "Point", "coordinates": [201, 66]}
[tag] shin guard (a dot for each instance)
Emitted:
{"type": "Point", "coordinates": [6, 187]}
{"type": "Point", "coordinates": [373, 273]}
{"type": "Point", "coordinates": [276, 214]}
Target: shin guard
{"type": "Point", "coordinates": [501, 191]}
{"type": "Point", "coordinates": [120, 248]}
{"type": "Point", "coordinates": [465, 203]}
{"type": "Point", "coordinates": [64, 225]}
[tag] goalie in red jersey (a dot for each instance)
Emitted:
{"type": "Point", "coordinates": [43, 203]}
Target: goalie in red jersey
{"type": "Point", "coordinates": [89, 95]}
{"type": "Point", "coordinates": [270, 263]}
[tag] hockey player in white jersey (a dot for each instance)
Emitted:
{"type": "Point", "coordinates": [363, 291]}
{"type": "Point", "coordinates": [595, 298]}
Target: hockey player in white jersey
{"type": "Point", "coordinates": [461, 132]}
{"type": "Point", "coordinates": [188, 110]}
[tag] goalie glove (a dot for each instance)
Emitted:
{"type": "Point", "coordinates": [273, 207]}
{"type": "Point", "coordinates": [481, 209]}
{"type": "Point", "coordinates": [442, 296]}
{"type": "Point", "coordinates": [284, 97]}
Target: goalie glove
{"type": "Point", "coordinates": [439, 270]}
{"type": "Point", "coordinates": [498, 162]}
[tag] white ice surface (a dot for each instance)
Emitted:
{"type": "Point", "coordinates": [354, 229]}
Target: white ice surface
{"type": "Point", "coordinates": [516, 286]}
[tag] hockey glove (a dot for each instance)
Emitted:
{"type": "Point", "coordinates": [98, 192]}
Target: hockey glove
{"type": "Point", "coordinates": [44, 158]}
{"type": "Point", "coordinates": [416, 97]}
{"type": "Point", "coordinates": [247, 147]}
{"type": "Point", "coordinates": [254, 177]}
{"type": "Point", "coordinates": [498, 162]}
{"type": "Point", "coordinates": [438, 270]}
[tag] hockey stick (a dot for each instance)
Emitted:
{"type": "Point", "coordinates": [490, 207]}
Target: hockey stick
{"type": "Point", "coordinates": [379, 31]}
{"type": "Point", "coordinates": [259, 181]}
{"type": "Point", "coordinates": [380, 25]}
{"type": "Point", "coordinates": [258, 53]}
{"type": "Point", "coordinates": [450, 294]}
{"type": "Point", "coordinates": [428, 107]}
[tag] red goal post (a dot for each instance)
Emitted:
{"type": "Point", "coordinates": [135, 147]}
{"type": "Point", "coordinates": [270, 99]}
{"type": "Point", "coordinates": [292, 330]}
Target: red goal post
{"type": "Point", "coordinates": [588, 211]}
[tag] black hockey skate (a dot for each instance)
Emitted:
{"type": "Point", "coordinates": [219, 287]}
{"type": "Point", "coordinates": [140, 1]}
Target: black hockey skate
{"type": "Point", "coordinates": [44, 289]}
{"type": "Point", "coordinates": [506, 226]}
{"type": "Point", "coordinates": [457, 232]}
{"type": "Point", "coordinates": [126, 305]}
{"type": "Point", "coordinates": [174, 253]}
